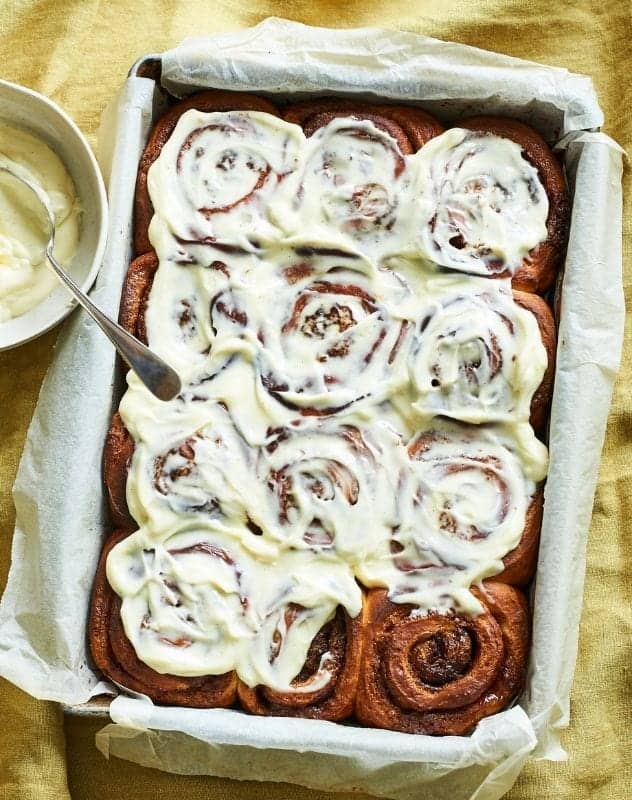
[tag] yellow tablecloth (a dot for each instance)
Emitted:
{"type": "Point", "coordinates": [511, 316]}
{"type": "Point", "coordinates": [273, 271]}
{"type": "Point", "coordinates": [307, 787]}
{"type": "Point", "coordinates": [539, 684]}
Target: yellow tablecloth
{"type": "Point", "coordinates": [78, 52]}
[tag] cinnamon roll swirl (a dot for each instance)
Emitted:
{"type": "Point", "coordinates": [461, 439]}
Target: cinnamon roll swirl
{"type": "Point", "coordinates": [334, 336]}
{"type": "Point", "coordinates": [208, 101]}
{"type": "Point", "coordinates": [216, 179]}
{"type": "Point", "coordinates": [351, 182]}
{"type": "Point", "coordinates": [185, 600]}
{"type": "Point", "coordinates": [325, 687]}
{"type": "Point", "coordinates": [184, 472]}
{"type": "Point", "coordinates": [491, 200]}
{"type": "Point", "coordinates": [198, 602]}
{"type": "Point", "coordinates": [481, 355]}
{"type": "Point", "coordinates": [116, 657]}
{"type": "Point", "coordinates": [440, 674]}
{"type": "Point", "coordinates": [468, 499]}
{"type": "Point", "coordinates": [325, 483]}
{"type": "Point", "coordinates": [538, 269]}
{"type": "Point", "coordinates": [177, 323]}
{"type": "Point", "coordinates": [475, 488]}
{"type": "Point", "coordinates": [295, 607]}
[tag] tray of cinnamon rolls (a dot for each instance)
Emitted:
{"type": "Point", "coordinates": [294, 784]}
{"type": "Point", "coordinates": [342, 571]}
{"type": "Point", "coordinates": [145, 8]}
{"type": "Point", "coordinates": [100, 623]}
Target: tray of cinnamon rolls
{"type": "Point", "coordinates": [338, 516]}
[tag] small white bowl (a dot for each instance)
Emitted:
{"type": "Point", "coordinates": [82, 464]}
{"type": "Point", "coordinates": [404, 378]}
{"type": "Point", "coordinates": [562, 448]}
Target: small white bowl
{"type": "Point", "coordinates": [24, 108]}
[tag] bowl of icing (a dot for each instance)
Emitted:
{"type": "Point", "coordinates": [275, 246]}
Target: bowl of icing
{"type": "Point", "coordinates": [38, 138]}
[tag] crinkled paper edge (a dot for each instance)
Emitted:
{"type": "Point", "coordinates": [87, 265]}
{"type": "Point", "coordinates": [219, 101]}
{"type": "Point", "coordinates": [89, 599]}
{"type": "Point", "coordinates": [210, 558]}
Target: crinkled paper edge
{"type": "Point", "coordinates": [59, 525]}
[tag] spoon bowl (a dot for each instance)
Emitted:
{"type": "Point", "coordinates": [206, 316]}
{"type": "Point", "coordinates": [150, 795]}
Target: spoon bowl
{"type": "Point", "coordinates": [40, 117]}
{"type": "Point", "coordinates": [161, 380]}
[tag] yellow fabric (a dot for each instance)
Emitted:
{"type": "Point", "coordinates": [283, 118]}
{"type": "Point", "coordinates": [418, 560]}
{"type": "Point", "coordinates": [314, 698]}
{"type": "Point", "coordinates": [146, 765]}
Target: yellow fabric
{"type": "Point", "coordinates": [78, 52]}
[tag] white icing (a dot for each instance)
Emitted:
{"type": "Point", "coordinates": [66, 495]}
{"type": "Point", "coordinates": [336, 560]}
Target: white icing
{"type": "Point", "coordinates": [291, 463]}
{"type": "Point", "coordinates": [478, 205]}
{"type": "Point", "coordinates": [196, 603]}
{"type": "Point", "coordinates": [477, 356]}
{"type": "Point", "coordinates": [25, 278]}
{"type": "Point", "coordinates": [462, 507]}
{"type": "Point", "coordinates": [350, 183]}
{"type": "Point", "coordinates": [219, 174]}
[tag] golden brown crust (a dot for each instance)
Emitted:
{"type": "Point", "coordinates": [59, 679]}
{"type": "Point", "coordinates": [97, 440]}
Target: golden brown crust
{"type": "Point", "coordinates": [117, 455]}
{"type": "Point", "coordinates": [114, 655]}
{"type": "Point", "coordinates": [342, 639]}
{"type": "Point", "coordinates": [119, 445]}
{"type": "Point", "coordinates": [316, 121]}
{"type": "Point", "coordinates": [441, 674]}
{"type": "Point", "coordinates": [556, 300]}
{"type": "Point", "coordinates": [212, 100]}
{"type": "Point", "coordinates": [520, 563]}
{"type": "Point", "coordinates": [541, 399]}
{"type": "Point", "coordinates": [537, 272]}
{"type": "Point", "coordinates": [135, 293]}
{"type": "Point", "coordinates": [417, 126]}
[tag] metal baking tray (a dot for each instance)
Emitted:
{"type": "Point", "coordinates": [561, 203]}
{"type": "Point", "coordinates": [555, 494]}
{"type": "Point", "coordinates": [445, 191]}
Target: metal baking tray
{"type": "Point", "coordinates": [149, 67]}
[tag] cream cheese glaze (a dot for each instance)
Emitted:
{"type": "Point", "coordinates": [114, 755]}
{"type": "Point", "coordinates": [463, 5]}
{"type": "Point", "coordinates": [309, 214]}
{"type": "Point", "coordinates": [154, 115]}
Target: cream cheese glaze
{"type": "Point", "coordinates": [478, 205]}
{"type": "Point", "coordinates": [25, 278]}
{"type": "Point", "coordinates": [320, 357]}
{"type": "Point", "coordinates": [477, 356]}
{"type": "Point", "coordinates": [350, 184]}
{"type": "Point", "coordinates": [197, 603]}
{"type": "Point", "coordinates": [462, 504]}
{"type": "Point", "coordinates": [221, 174]}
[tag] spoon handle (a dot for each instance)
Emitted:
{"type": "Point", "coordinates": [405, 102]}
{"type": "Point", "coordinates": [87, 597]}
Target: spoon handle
{"type": "Point", "coordinates": [158, 377]}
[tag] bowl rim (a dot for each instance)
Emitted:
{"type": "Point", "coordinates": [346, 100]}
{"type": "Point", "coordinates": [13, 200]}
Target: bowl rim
{"type": "Point", "coordinates": [101, 208]}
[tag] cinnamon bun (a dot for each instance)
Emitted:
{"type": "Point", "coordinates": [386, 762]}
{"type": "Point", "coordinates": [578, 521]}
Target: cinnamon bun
{"type": "Point", "coordinates": [469, 497]}
{"type": "Point", "coordinates": [440, 674]}
{"type": "Point", "coordinates": [325, 687]}
{"type": "Point", "coordinates": [481, 354]}
{"type": "Point", "coordinates": [115, 655]}
{"type": "Point", "coordinates": [197, 603]}
{"type": "Point", "coordinates": [490, 199]}
{"type": "Point", "coordinates": [209, 101]}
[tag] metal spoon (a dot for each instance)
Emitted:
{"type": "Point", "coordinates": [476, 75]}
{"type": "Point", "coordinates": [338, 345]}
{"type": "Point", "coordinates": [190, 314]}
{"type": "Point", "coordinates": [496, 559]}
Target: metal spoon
{"type": "Point", "coordinates": [158, 377]}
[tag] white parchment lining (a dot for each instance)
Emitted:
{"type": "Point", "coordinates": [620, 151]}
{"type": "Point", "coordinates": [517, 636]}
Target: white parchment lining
{"type": "Point", "coordinates": [58, 493]}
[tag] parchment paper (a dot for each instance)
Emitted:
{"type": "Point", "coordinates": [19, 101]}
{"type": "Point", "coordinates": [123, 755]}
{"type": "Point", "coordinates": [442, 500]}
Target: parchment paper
{"type": "Point", "coordinates": [58, 494]}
